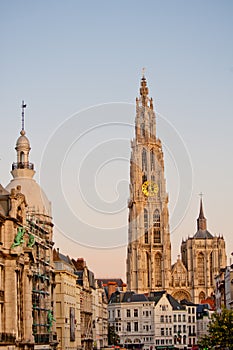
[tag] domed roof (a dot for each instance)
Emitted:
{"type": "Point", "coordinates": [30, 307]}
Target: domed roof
{"type": "Point", "coordinates": [22, 140]}
{"type": "Point", "coordinates": [35, 196]}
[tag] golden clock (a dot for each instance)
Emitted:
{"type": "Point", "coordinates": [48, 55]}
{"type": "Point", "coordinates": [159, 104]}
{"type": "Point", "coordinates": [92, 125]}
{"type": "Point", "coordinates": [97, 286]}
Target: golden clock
{"type": "Point", "coordinates": [150, 188]}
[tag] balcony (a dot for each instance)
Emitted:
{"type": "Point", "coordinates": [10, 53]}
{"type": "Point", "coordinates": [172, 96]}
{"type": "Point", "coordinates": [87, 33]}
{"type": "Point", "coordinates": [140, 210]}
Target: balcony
{"type": "Point", "coordinates": [45, 338]}
{"type": "Point", "coordinates": [23, 165]}
{"type": "Point", "coordinates": [7, 338]}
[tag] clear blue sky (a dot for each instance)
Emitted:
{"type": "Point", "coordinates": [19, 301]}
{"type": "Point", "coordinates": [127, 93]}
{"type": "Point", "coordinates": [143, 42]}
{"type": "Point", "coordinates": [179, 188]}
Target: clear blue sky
{"type": "Point", "coordinates": [64, 56]}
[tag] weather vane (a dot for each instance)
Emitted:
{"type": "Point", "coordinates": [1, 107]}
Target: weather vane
{"type": "Point", "coordinates": [23, 107]}
{"type": "Point", "coordinates": [201, 195]}
{"type": "Point", "coordinates": [143, 71]}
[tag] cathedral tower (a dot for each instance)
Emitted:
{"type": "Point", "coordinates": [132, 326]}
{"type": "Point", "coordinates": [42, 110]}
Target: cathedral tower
{"type": "Point", "coordinates": [149, 247]}
{"type": "Point", "coordinates": [204, 256]}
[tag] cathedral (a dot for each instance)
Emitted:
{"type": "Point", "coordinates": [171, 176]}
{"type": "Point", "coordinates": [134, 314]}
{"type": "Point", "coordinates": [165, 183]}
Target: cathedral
{"type": "Point", "coordinates": [149, 266]}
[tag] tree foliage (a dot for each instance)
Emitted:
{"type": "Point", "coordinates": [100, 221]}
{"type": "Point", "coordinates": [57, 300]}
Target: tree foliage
{"type": "Point", "coordinates": [220, 331]}
{"type": "Point", "coordinates": [113, 337]}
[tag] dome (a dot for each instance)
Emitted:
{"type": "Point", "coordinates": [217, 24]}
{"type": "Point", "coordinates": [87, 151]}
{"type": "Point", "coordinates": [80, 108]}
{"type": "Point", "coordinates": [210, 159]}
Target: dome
{"type": "Point", "coordinates": [23, 140]}
{"type": "Point", "coordinates": [35, 197]}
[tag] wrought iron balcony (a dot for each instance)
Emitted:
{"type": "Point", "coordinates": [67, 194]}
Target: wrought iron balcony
{"type": "Point", "coordinates": [23, 165]}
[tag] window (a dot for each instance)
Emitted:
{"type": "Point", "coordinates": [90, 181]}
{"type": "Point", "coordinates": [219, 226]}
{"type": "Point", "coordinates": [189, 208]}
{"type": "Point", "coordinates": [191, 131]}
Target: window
{"type": "Point", "coordinates": [146, 226]}
{"type": "Point", "coordinates": [128, 312]}
{"type": "Point", "coordinates": [142, 129]}
{"type": "Point", "coordinates": [170, 319]}
{"type": "Point", "coordinates": [184, 318]}
{"type": "Point", "coordinates": [175, 328]}
{"type": "Point", "coordinates": [118, 313]}
{"type": "Point", "coordinates": [158, 271]}
{"type": "Point", "coordinates": [174, 317]}
{"type": "Point", "coordinates": [135, 326]}
{"type": "Point", "coordinates": [179, 318]}
{"type": "Point", "coordinates": [162, 331]}
{"type": "Point", "coordinates": [152, 160]}
{"type": "Point", "coordinates": [156, 225]}
{"type": "Point", "coordinates": [128, 327]}
{"type": "Point", "coordinates": [161, 318]}
{"type": "Point", "coordinates": [184, 328]}
{"type": "Point", "coordinates": [135, 312]}
{"type": "Point", "coordinates": [201, 269]}
{"type": "Point", "coordinates": [144, 160]}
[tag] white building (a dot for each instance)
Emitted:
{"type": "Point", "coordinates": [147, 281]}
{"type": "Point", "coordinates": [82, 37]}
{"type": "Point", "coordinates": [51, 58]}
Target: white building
{"type": "Point", "coordinates": [157, 321]}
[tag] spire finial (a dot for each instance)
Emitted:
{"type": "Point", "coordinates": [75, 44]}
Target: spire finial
{"type": "Point", "coordinates": [23, 106]}
{"type": "Point", "coordinates": [143, 72]}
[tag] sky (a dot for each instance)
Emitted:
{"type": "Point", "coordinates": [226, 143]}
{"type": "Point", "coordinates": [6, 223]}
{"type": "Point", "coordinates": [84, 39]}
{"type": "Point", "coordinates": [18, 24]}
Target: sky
{"type": "Point", "coordinates": [78, 67]}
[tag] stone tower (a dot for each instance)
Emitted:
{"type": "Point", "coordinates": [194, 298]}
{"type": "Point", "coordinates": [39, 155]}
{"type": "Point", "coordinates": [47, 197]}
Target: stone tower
{"type": "Point", "coordinates": [204, 256]}
{"type": "Point", "coordinates": [149, 247]}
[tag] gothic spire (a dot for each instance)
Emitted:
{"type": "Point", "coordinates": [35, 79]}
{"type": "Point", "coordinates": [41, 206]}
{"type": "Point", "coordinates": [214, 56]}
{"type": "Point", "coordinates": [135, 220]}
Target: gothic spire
{"type": "Point", "coordinates": [201, 221]}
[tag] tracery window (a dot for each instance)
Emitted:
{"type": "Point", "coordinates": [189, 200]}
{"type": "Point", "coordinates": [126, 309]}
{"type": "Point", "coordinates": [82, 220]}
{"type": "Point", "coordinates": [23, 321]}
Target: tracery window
{"type": "Point", "coordinates": [156, 226]}
{"type": "Point", "coordinates": [152, 160]}
{"type": "Point", "coordinates": [144, 159]}
{"type": "Point", "coordinates": [201, 269]}
{"type": "Point", "coordinates": [158, 271]}
{"type": "Point", "coordinates": [146, 226]}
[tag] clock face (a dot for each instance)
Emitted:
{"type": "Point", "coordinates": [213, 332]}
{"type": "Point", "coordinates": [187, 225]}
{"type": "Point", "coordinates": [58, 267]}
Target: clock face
{"type": "Point", "coordinates": [150, 188]}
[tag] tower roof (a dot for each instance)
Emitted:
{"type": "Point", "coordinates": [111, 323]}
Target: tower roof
{"type": "Point", "coordinates": [23, 172]}
{"type": "Point", "coordinates": [202, 231]}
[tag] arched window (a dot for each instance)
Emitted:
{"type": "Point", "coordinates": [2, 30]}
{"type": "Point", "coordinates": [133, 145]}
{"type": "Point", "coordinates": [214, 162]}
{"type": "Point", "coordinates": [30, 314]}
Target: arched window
{"type": "Point", "coordinates": [22, 157]}
{"type": "Point", "coordinates": [201, 296]}
{"type": "Point", "coordinates": [156, 226]}
{"type": "Point", "coordinates": [143, 130]}
{"type": "Point", "coordinates": [201, 269]}
{"type": "Point", "coordinates": [144, 160]}
{"type": "Point", "coordinates": [211, 269]}
{"type": "Point", "coordinates": [146, 226]}
{"type": "Point", "coordinates": [158, 271]}
{"type": "Point", "coordinates": [152, 160]}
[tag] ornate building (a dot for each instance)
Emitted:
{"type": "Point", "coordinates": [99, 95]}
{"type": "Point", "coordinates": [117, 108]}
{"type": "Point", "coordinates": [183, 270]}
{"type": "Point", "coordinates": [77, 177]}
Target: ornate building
{"type": "Point", "coordinates": [26, 262]}
{"type": "Point", "coordinates": [149, 249]}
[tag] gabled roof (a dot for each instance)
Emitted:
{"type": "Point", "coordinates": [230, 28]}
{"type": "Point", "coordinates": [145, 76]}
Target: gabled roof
{"type": "Point", "coordinates": [156, 296]}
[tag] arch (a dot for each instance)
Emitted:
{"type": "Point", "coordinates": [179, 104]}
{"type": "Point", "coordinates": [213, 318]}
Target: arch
{"type": "Point", "coordinates": [181, 294]}
{"type": "Point", "coordinates": [201, 269]}
{"type": "Point", "coordinates": [201, 296]}
{"type": "Point", "coordinates": [156, 226]}
{"type": "Point", "coordinates": [158, 270]}
{"type": "Point", "coordinates": [137, 340]}
{"type": "Point", "coordinates": [144, 159]}
{"type": "Point", "coordinates": [22, 157]}
{"type": "Point", "coordinates": [128, 340]}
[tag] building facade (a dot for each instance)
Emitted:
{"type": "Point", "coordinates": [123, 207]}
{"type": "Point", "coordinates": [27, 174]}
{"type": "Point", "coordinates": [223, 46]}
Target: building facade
{"type": "Point", "coordinates": [68, 320]}
{"type": "Point", "coordinates": [156, 321]}
{"type": "Point", "coordinates": [26, 267]}
{"type": "Point", "coordinates": [149, 266]}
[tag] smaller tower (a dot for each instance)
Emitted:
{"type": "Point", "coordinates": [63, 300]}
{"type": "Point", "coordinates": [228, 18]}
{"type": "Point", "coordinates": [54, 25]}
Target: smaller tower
{"type": "Point", "coordinates": [204, 256]}
{"type": "Point", "coordinates": [201, 221]}
{"type": "Point", "coordinates": [22, 168]}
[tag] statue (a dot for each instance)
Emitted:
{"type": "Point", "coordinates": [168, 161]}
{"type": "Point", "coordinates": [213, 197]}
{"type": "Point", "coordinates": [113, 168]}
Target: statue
{"type": "Point", "coordinates": [50, 320]}
{"type": "Point", "coordinates": [19, 237]}
{"type": "Point", "coordinates": [31, 241]}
